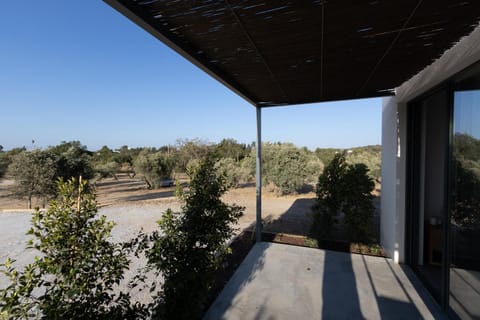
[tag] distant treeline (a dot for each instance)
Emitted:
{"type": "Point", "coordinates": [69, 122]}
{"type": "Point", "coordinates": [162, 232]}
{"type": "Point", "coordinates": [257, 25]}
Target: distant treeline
{"type": "Point", "coordinates": [286, 167]}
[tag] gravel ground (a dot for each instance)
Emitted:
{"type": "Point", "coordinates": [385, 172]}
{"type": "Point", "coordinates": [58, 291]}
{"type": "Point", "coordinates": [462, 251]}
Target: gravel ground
{"type": "Point", "coordinates": [279, 213]}
{"type": "Point", "coordinates": [129, 220]}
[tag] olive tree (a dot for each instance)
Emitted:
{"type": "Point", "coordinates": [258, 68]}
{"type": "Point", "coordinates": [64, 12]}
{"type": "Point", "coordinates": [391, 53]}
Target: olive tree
{"type": "Point", "coordinates": [230, 148]}
{"type": "Point", "coordinates": [125, 157]}
{"type": "Point", "coordinates": [34, 173]}
{"type": "Point", "coordinates": [154, 167]}
{"type": "Point", "coordinates": [188, 150]}
{"type": "Point", "coordinates": [235, 172]}
{"type": "Point", "coordinates": [73, 161]}
{"type": "Point", "coordinates": [285, 166]}
{"type": "Point", "coordinates": [105, 170]}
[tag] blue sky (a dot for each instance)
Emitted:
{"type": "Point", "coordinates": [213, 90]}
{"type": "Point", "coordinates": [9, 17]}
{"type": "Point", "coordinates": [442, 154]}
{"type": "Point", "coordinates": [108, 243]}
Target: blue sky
{"type": "Point", "coordinates": [79, 70]}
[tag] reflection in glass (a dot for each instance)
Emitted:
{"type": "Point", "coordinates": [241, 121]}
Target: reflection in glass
{"type": "Point", "coordinates": [465, 210]}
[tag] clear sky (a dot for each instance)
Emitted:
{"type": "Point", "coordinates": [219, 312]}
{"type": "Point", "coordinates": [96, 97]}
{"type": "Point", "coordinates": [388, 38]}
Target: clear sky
{"type": "Point", "coordinates": [79, 70]}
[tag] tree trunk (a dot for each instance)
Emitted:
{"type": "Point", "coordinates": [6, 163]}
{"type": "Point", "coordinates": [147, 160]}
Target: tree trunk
{"type": "Point", "coordinates": [30, 202]}
{"type": "Point", "coordinates": [149, 186]}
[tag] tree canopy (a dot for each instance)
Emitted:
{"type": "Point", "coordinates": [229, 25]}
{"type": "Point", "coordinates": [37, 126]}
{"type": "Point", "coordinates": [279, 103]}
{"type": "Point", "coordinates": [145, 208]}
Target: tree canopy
{"type": "Point", "coordinates": [34, 173]}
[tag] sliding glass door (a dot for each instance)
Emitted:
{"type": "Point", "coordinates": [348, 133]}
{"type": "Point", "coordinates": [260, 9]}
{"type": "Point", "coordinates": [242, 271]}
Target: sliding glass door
{"type": "Point", "coordinates": [443, 196]}
{"type": "Point", "coordinates": [429, 154]}
{"type": "Point", "coordinates": [464, 284]}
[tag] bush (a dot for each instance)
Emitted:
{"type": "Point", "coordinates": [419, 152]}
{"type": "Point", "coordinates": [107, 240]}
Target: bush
{"type": "Point", "coordinates": [330, 195]}
{"type": "Point", "coordinates": [344, 188]}
{"type": "Point", "coordinates": [78, 266]}
{"type": "Point", "coordinates": [358, 207]}
{"type": "Point", "coordinates": [191, 243]}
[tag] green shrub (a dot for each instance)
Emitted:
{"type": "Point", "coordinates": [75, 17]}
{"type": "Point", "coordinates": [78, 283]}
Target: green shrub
{"type": "Point", "coordinates": [78, 266]}
{"type": "Point", "coordinates": [357, 206]}
{"type": "Point", "coordinates": [330, 195]}
{"type": "Point", "coordinates": [346, 188]}
{"type": "Point", "coordinates": [192, 166]}
{"type": "Point", "coordinates": [191, 243]}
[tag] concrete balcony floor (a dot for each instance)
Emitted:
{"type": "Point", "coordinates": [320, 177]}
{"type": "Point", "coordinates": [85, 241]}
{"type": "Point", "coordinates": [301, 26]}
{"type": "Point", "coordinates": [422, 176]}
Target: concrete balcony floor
{"type": "Point", "coordinates": [278, 281]}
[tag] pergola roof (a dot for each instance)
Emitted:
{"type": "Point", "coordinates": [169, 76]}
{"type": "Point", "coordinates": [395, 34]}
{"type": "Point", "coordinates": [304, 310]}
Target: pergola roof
{"type": "Point", "coordinates": [291, 52]}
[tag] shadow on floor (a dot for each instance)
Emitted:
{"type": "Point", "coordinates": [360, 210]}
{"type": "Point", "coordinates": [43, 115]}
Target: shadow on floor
{"type": "Point", "coordinates": [247, 273]}
{"type": "Point", "coordinates": [290, 282]}
{"type": "Point", "coordinates": [338, 287]}
{"type": "Point", "coordinates": [296, 220]}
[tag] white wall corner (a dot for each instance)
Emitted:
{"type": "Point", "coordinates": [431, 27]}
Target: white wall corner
{"type": "Point", "coordinates": [389, 180]}
{"type": "Point", "coordinates": [400, 184]}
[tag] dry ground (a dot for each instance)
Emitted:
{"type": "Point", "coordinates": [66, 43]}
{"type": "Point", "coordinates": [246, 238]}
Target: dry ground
{"type": "Point", "coordinates": [288, 214]}
{"type": "Point", "coordinates": [127, 202]}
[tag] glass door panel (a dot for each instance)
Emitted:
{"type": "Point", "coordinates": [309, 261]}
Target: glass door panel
{"type": "Point", "coordinates": [464, 297]}
{"type": "Point", "coordinates": [430, 147]}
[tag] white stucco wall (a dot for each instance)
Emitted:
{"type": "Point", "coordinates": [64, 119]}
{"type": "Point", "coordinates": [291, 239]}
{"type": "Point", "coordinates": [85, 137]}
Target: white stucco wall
{"type": "Point", "coordinates": [400, 182]}
{"type": "Point", "coordinates": [392, 222]}
{"type": "Point", "coordinates": [388, 203]}
{"type": "Point", "coordinates": [394, 132]}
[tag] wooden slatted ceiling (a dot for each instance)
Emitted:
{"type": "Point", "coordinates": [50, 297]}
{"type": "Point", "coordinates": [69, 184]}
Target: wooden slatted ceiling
{"type": "Point", "coordinates": [291, 52]}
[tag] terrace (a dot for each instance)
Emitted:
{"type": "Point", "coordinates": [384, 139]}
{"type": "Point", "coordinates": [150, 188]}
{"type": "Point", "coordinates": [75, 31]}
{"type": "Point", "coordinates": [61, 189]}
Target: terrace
{"type": "Point", "coordinates": [278, 281]}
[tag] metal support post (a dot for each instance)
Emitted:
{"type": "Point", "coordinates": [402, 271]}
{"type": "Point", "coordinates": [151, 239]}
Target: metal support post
{"type": "Point", "coordinates": [258, 175]}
